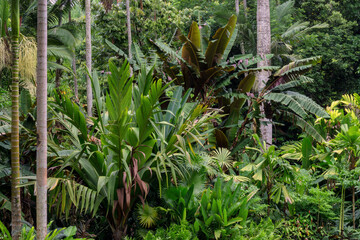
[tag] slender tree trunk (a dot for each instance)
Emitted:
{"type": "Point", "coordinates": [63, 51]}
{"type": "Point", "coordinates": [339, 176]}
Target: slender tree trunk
{"type": "Point", "coordinates": [15, 156]}
{"type": "Point", "coordinates": [353, 207]}
{"type": "Point", "coordinates": [75, 79]}
{"type": "Point", "coordinates": [237, 10]}
{"type": "Point", "coordinates": [128, 23]}
{"type": "Point", "coordinates": [41, 99]}
{"type": "Point", "coordinates": [245, 8]}
{"type": "Point", "coordinates": [88, 57]}
{"type": "Point", "coordinates": [263, 48]}
{"type": "Point", "coordinates": [73, 65]}
{"type": "Point", "coordinates": [58, 73]}
{"type": "Point", "coordinates": [353, 161]}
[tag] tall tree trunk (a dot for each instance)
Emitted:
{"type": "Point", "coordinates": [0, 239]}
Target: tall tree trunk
{"type": "Point", "coordinates": [245, 8]}
{"type": "Point", "coordinates": [263, 48]}
{"type": "Point", "coordinates": [15, 156]}
{"type": "Point", "coordinates": [58, 74]}
{"type": "Point", "coordinates": [128, 24]}
{"type": "Point", "coordinates": [237, 10]}
{"type": "Point", "coordinates": [41, 102]}
{"type": "Point", "coordinates": [73, 65]}
{"type": "Point", "coordinates": [88, 57]}
{"type": "Point", "coordinates": [75, 79]}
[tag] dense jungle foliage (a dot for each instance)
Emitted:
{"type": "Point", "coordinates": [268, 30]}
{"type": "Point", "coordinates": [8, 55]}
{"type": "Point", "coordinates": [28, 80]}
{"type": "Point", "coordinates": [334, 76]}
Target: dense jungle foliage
{"type": "Point", "coordinates": [173, 147]}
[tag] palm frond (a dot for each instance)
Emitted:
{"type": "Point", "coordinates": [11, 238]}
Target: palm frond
{"type": "Point", "coordinates": [284, 9]}
{"type": "Point", "coordinates": [302, 80]}
{"type": "Point", "coordinates": [148, 215]}
{"type": "Point", "coordinates": [222, 157]}
{"type": "Point", "coordinates": [309, 105]}
{"type": "Point", "coordinates": [60, 52]}
{"type": "Point", "coordinates": [288, 101]}
{"type": "Point", "coordinates": [305, 126]}
{"type": "Point", "coordinates": [64, 36]}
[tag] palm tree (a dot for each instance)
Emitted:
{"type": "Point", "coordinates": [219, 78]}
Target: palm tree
{"type": "Point", "coordinates": [88, 57]}
{"type": "Point", "coordinates": [41, 95]}
{"type": "Point", "coordinates": [263, 48]}
{"type": "Point", "coordinates": [15, 157]}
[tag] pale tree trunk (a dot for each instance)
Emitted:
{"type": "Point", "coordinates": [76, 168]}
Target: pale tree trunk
{"type": "Point", "coordinates": [73, 65]}
{"type": "Point", "coordinates": [245, 8]}
{"type": "Point", "coordinates": [263, 48]}
{"type": "Point", "coordinates": [237, 10]}
{"type": "Point", "coordinates": [75, 78]}
{"type": "Point", "coordinates": [41, 123]}
{"type": "Point", "coordinates": [128, 24]}
{"type": "Point", "coordinates": [88, 57]}
{"type": "Point", "coordinates": [15, 156]}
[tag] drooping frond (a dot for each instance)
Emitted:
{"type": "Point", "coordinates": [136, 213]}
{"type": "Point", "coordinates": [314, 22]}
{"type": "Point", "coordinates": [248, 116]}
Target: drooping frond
{"type": "Point", "coordinates": [304, 125]}
{"type": "Point", "coordinates": [65, 194]}
{"type": "Point", "coordinates": [64, 36]}
{"type": "Point", "coordinates": [27, 63]}
{"type": "Point", "coordinates": [60, 52]}
{"type": "Point", "coordinates": [5, 54]}
{"type": "Point", "coordinates": [308, 104]}
{"type": "Point", "coordinates": [288, 101]}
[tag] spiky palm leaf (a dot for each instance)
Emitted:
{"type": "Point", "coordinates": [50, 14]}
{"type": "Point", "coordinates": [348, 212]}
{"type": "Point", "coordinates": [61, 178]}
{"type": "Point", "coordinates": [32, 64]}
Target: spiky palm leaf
{"type": "Point", "coordinates": [222, 158]}
{"type": "Point", "coordinates": [148, 215]}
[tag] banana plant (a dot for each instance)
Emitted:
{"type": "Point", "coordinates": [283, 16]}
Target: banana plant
{"type": "Point", "coordinates": [202, 62]}
{"type": "Point", "coordinates": [205, 67]}
{"type": "Point", "coordinates": [296, 107]}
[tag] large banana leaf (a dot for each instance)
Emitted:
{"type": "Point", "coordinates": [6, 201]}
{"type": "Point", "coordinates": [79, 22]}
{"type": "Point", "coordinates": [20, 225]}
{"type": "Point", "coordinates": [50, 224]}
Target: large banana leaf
{"type": "Point", "coordinates": [217, 47]}
{"type": "Point", "coordinates": [194, 35]}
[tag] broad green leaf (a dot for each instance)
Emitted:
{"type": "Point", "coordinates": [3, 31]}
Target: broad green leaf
{"type": "Point", "coordinates": [219, 43]}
